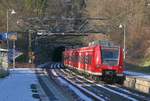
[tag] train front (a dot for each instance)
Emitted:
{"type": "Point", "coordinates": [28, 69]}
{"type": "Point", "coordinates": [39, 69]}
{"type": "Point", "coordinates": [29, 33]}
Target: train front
{"type": "Point", "coordinates": [112, 63]}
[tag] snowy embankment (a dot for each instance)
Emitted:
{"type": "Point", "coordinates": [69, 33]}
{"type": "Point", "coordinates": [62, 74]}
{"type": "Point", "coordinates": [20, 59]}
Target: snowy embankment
{"type": "Point", "coordinates": [137, 74]}
{"type": "Point", "coordinates": [16, 87]}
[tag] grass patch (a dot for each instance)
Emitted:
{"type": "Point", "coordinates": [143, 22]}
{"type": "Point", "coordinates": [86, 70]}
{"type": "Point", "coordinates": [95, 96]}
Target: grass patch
{"type": "Point", "coordinates": [3, 73]}
{"type": "Point", "coordinates": [146, 62]}
{"type": "Point", "coordinates": [22, 58]}
{"type": "Point", "coordinates": [137, 68]}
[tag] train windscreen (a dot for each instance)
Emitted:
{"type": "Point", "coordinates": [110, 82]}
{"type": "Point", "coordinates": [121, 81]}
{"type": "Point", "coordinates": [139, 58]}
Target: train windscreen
{"type": "Point", "coordinates": [110, 56]}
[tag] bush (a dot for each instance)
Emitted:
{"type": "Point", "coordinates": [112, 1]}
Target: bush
{"type": "Point", "coordinates": [3, 73]}
{"type": "Point", "coordinates": [22, 58]}
{"type": "Point", "coordinates": [146, 63]}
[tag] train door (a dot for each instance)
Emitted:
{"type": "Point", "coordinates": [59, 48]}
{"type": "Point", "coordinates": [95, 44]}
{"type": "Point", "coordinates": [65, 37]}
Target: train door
{"type": "Point", "coordinates": [90, 60]}
{"type": "Point", "coordinates": [76, 59]}
{"type": "Point", "coordinates": [81, 61]}
{"type": "Point", "coordinates": [86, 61]}
{"type": "Point", "coordinates": [70, 58]}
{"type": "Point", "coordinates": [121, 57]}
{"type": "Point", "coordinates": [97, 61]}
{"type": "Point", "coordinates": [73, 60]}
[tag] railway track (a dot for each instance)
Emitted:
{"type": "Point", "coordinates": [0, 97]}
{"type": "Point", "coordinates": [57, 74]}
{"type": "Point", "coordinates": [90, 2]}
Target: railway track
{"type": "Point", "coordinates": [80, 91]}
{"type": "Point", "coordinates": [105, 92]}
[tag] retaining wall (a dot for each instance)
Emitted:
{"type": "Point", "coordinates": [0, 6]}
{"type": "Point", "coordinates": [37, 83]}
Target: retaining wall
{"type": "Point", "coordinates": [140, 84]}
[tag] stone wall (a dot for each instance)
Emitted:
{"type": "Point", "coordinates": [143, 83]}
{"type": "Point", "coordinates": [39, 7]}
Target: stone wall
{"type": "Point", "coordinates": [140, 84]}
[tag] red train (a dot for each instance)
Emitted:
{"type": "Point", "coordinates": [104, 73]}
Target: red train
{"type": "Point", "coordinates": [102, 61]}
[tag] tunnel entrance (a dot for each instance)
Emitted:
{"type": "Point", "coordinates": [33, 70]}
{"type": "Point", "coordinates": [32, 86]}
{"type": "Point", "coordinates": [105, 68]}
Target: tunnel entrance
{"type": "Point", "coordinates": [57, 54]}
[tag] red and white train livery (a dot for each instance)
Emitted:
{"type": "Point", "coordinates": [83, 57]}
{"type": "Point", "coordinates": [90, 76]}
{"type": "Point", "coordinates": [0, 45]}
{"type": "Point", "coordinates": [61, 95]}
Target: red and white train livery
{"type": "Point", "coordinates": [99, 61]}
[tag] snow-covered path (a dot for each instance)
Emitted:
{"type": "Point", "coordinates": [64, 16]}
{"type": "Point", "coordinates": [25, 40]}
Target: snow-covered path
{"type": "Point", "coordinates": [137, 74]}
{"type": "Point", "coordinates": [16, 87]}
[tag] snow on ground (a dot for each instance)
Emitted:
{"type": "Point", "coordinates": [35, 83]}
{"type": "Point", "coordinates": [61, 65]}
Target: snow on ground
{"type": "Point", "coordinates": [16, 87]}
{"type": "Point", "coordinates": [43, 65]}
{"type": "Point", "coordinates": [137, 74]}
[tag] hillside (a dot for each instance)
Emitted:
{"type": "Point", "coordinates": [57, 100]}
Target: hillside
{"type": "Point", "coordinates": [50, 15]}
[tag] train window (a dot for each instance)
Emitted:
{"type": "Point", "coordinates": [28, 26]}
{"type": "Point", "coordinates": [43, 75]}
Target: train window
{"type": "Point", "coordinates": [81, 59]}
{"type": "Point", "coordinates": [110, 56]}
{"type": "Point", "coordinates": [76, 58]}
{"type": "Point", "coordinates": [72, 58]}
{"type": "Point", "coordinates": [66, 57]}
{"type": "Point", "coordinates": [88, 59]}
{"type": "Point", "coordinates": [69, 58]}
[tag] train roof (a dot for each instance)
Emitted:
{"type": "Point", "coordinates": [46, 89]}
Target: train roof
{"type": "Point", "coordinates": [93, 46]}
{"type": "Point", "coordinates": [105, 43]}
{"type": "Point", "coordinates": [97, 43]}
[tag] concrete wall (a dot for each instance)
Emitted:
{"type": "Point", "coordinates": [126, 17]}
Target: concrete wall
{"type": "Point", "coordinates": [3, 59]}
{"type": "Point", "coordinates": [140, 84]}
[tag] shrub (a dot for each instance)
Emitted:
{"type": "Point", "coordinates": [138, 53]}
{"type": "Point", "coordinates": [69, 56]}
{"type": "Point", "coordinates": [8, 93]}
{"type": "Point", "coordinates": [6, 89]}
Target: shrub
{"type": "Point", "coordinates": [3, 73]}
